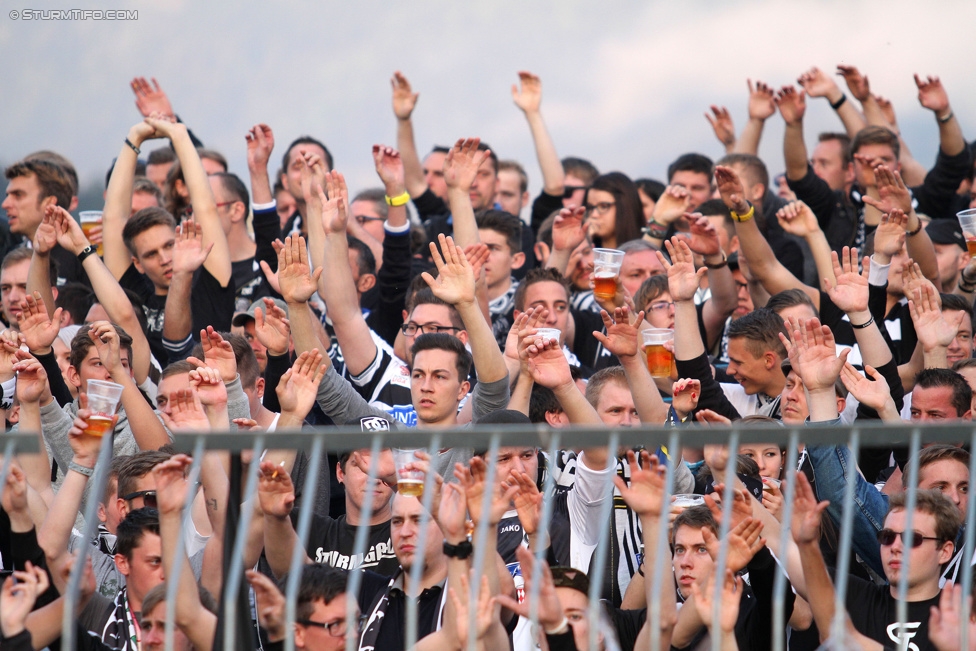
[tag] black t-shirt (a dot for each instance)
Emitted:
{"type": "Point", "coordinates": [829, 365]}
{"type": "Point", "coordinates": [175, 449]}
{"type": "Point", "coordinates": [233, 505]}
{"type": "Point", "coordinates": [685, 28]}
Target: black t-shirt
{"type": "Point", "coordinates": [590, 352]}
{"type": "Point", "coordinates": [874, 613]}
{"type": "Point", "coordinates": [627, 624]}
{"type": "Point", "coordinates": [331, 541]}
{"type": "Point", "coordinates": [392, 634]}
{"type": "Point", "coordinates": [249, 283]}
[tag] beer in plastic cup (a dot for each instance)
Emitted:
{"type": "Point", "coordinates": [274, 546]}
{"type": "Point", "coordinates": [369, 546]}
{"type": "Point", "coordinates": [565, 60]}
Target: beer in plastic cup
{"type": "Point", "coordinates": [659, 358]}
{"type": "Point", "coordinates": [90, 219]}
{"type": "Point", "coordinates": [606, 268]}
{"type": "Point", "coordinates": [967, 219]}
{"type": "Point", "coordinates": [409, 482]}
{"type": "Point", "coordinates": [103, 402]}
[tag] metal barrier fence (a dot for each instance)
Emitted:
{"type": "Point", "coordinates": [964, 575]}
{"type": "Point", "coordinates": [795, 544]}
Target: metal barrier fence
{"type": "Point", "coordinates": [548, 440]}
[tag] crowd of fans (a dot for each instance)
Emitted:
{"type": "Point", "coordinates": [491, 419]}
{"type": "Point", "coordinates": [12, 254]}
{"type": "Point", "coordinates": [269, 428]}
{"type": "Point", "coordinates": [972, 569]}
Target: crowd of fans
{"type": "Point", "coordinates": [841, 290]}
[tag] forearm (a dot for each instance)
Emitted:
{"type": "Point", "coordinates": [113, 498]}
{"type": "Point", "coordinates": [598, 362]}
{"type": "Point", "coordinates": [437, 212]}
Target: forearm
{"type": "Point", "coordinates": [339, 292]}
{"type": "Point", "coordinates": [794, 152]}
{"type": "Point", "coordinates": [559, 260]}
{"type": "Point", "coordinates": [820, 589]}
{"type": "Point", "coordinates": [279, 543]}
{"type": "Point", "coordinates": [935, 357]}
{"type": "Point", "coordinates": [113, 298]}
{"type": "Point", "coordinates": [851, 118]}
{"type": "Point", "coordinates": [485, 354]}
{"type": "Point", "coordinates": [951, 140]}
{"type": "Point", "coordinates": [303, 330]}
{"type": "Point", "coordinates": [413, 170]}
{"type": "Point", "coordinates": [521, 393]}
{"type": "Point", "coordinates": [553, 177]}
{"type": "Point", "coordinates": [874, 348]}
{"type": "Point", "coordinates": [118, 205]}
{"type": "Point", "coordinates": [922, 251]}
{"type": "Point", "coordinates": [576, 407]}
{"type": "Point", "coordinates": [650, 408]}
{"type": "Point", "coordinates": [687, 339]}
{"type": "Point", "coordinates": [748, 142]}
{"type": "Point", "coordinates": [260, 183]}
{"type": "Point", "coordinates": [823, 405]}
{"type": "Point", "coordinates": [146, 427]}
{"type": "Point", "coordinates": [55, 533]}
{"type": "Point", "coordinates": [177, 315]}
{"type": "Point", "coordinates": [820, 249]}
{"type": "Point", "coordinates": [39, 278]}
{"type": "Point", "coordinates": [188, 604]}
{"type": "Point", "coordinates": [465, 226]}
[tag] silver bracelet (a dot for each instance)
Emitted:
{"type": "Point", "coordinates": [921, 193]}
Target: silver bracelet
{"type": "Point", "coordinates": [87, 472]}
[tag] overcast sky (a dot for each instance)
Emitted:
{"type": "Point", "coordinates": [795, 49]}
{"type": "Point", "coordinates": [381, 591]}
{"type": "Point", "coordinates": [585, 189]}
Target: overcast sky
{"type": "Point", "coordinates": [625, 83]}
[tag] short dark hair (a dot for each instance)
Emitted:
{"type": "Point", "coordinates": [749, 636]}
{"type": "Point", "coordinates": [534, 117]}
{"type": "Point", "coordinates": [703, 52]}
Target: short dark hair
{"type": "Point", "coordinates": [581, 168]}
{"type": "Point", "coordinates": [112, 484]}
{"type": "Point", "coordinates": [142, 221]}
{"type": "Point", "coordinates": [505, 224]}
{"type": "Point", "coordinates": [955, 303]}
{"type": "Point", "coordinates": [82, 343]}
{"type": "Point", "coordinates": [538, 275]}
{"type": "Point", "coordinates": [717, 208]}
{"type": "Point", "coordinates": [214, 155]}
{"type": "Point", "coordinates": [176, 368]}
{"type": "Point", "coordinates": [695, 517]}
{"type": "Point", "coordinates": [161, 156]}
{"type": "Point", "coordinates": [691, 163]}
{"type": "Point", "coordinates": [66, 165]}
{"type": "Point", "coordinates": [515, 166]}
{"type": "Point", "coordinates": [948, 518]}
{"type": "Point", "coordinates": [365, 260]}
{"type": "Point", "coordinates": [753, 164]}
{"type": "Point", "coordinates": [307, 140]}
{"type": "Point", "coordinates": [319, 582]}
{"type": "Point", "coordinates": [484, 146]}
{"type": "Point", "coordinates": [541, 402]}
{"type": "Point", "coordinates": [16, 256]}
{"type": "Point", "coordinates": [425, 296]}
{"type": "Point", "coordinates": [52, 179]}
{"type": "Point", "coordinates": [649, 290]}
{"type": "Point", "coordinates": [651, 187]}
{"type": "Point", "coordinates": [938, 452]}
{"type": "Point", "coordinates": [144, 185]}
{"type": "Point", "coordinates": [450, 343]}
{"type": "Point", "coordinates": [76, 299]}
{"type": "Point", "coordinates": [136, 466]}
{"type": "Point", "coordinates": [843, 140]}
{"type": "Point", "coordinates": [233, 185]}
{"type": "Point", "coordinates": [629, 211]}
{"type": "Point", "coordinates": [157, 596]}
{"type": "Point", "coordinates": [376, 196]}
{"type": "Point", "coordinates": [760, 328]}
{"type": "Point", "coordinates": [791, 298]}
{"type": "Point", "coordinates": [133, 527]}
{"type": "Point", "coordinates": [962, 393]}
{"type": "Point", "coordinates": [875, 135]}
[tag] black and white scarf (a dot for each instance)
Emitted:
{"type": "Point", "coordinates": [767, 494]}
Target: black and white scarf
{"type": "Point", "coordinates": [121, 631]}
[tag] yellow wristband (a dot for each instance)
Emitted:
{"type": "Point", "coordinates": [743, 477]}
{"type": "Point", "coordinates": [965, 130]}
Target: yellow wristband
{"type": "Point", "coordinates": [399, 200]}
{"type": "Point", "coordinates": [746, 217]}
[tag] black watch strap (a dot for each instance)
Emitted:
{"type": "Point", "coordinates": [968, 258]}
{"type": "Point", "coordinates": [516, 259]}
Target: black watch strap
{"type": "Point", "coordinates": [460, 551]}
{"type": "Point", "coordinates": [87, 251]}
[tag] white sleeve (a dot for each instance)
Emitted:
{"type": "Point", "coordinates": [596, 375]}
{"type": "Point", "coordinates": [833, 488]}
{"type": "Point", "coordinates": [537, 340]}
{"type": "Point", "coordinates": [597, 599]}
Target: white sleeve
{"type": "Point", "coordinates": [586, 498]}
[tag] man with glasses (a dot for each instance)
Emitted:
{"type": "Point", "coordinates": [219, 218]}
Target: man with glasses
{"type": "Point", "coordinates": [320, 612]}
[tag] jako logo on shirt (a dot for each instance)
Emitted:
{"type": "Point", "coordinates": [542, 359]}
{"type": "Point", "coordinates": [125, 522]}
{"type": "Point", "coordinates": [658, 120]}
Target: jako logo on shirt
{"type": "Point", "coordinates": [910, 631]}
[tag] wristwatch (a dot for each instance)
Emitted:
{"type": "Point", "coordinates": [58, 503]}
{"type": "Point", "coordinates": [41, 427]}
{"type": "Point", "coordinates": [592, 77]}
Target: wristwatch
{"type": "Point", "coordinates": [460, 551]}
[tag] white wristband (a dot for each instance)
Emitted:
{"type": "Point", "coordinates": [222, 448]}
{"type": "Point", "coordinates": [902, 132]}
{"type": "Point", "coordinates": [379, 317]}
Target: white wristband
{"type": "Point", "coordinates": [560, 629]}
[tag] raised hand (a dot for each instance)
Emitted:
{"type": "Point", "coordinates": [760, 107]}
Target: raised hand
{"type": "Point", "coordinates": [272, 328]}
{"type": "Point", "coordinates": [451, 512]}
{"type": "Point", "coordinates": [888, 109]}
{"type": "Point", "coordinates": [404, 99]}
{"type": "Point", "coordinates": [18, 595]}
{"type": "Point", "coordinates": [731, 188]}
{"type": "Point", "coordinates": [683, 280]}
{"type": "Point", "coordinates": [527, 501]}
{"type": "Point", "coordinates": [874, 394]}
{"type": "Point", "coordinates": [522, 334]}
{"type": "Point", "coordinates": [933, 327]}
{"type": "Point", "coordinates": [166, 126]}
{"type": "Point", "coordinates": [704, 237]}
{"type": "Point", "coordinates": [529, 96]}
{"type": "Point", "coordinates": [568, 229]}
{"type": "Point", "coordinates": [269, 603]}
{"type": "Point", "coordinates": [171, 484]}
{"type": "Point", "coordinates": [477, 255]}
{"type": "Point", "coordinates": [313, 173]}
{"type": "Point", "coordinates": [850, 293]}
{"type": "Point", "coordinates": [722, 125]}
{"type": "Point", "coordinates": [299, 385]}
{"type": "Point", "coordinates": [674, 203]}
{"type": "Point", "coordinates": [46, 236]}
{"type": "Point", "coordinates": [208, 386]}
{"type": "Point", "coordinates": [856, 82]}
{"type": "Point", "coordinates": [817, 83]}
{"type": "Point", "coordinates": [791, 104]}
{"type": "Point", "coordinates": [913, 280]}
{"type": "Point", "coordinates": [276, 493]}
{"type": "Point", "coordinates": [892, 189]}
{"type": "Point", "coordinates": [772, 498]}
{"type": "Point", "coordinates": [744, 541]}
{"type": "Point", "coordinates": [485, 608]}
{"type": "Point", "coordinates": [889, 237]}
{"type": "Point", "coordinates": [622, 336]}
{"type": "Point", "coordinates": [684, 395]}
{"type": "Point", "coordinates": [260, 143]}
{"type": "Point", "coordinates": [69, 233]}
{"type": "Point", "coordinates": [151, 98]}
{"type": "Point", "coordinates": [189, 254]}
{"type": "Point", "coordinates": [546, 362]}
{"type": "Point", "coordinates": [947, 620]}
{"type": "Point", "coordinates": [186, 413]}
{"type": "Point", "coordinates": [932, 95]}
{"type": "Point", "coordinates": [389, 167]}
{"type": "Point", "coordinates": [14, 499]}
{"type": "Point", "coordinates": [813, 353]}
{"type": "Point", "coordinates": [728, 597]}
{"type": "Point", "coordinates": [39, 329]}
{"type": "Point", "coordinates": [645, 495]}
{"type": "Point", "coordinates": [106, 339]}
{"type": "Point", "coordinates": [796, 218]}
{"type": "Point", "coordinates": [762, 102]}
{"type": "Point", "coordinates": [462, 163]}
{"type": "Point", "coordinates": [805, 523]}
{"type": "Point", "coordinates": [550, 611]}
{"type": "Point", "coordinates": [295, 279]}
{"type": "Point", "coordinates": [217, 353]}
{"type": "Point", "coordinates": [455, 282]}
{"type": "Point", "coordinates": [473, 480]}
{"type": "Point", "coordinates": [741, 504]}
{"type": "Point", "coordinates": [32, 383]}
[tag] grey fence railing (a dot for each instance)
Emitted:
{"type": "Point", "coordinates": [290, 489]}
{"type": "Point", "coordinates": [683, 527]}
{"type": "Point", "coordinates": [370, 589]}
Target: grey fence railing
{"type": "Point", "coordinates": [549, 440]}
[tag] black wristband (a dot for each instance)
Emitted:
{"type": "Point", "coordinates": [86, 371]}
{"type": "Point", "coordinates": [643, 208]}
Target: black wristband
{"type": "Point", "coordinates": [460, 551]}
{"type": "Point", "coordinates": [839, 103]}
{"type": "Point", "coordinates": [87, 251]}
{"type": "Point", "coordinates": [863, 325]}
{"type": "Point", "coordinates": [134, 148]}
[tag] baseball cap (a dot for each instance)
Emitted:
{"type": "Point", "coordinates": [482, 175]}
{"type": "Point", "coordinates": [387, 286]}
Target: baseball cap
{"type": "Point", "coordinates": [569, 577]}
{"type": "Point", "coordinates": [242, 317]}
{"type": "Point", "coordinates": [946, 231]}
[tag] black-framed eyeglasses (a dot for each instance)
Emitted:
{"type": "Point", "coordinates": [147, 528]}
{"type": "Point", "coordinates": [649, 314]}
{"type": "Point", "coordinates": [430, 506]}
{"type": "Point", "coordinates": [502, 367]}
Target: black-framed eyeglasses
{"type": "Point", "coordinates": [410, 329]}
{"type": "Point", "coordinates": [148, 498]}
{"type": "Point", "coordinates": [887, 537]}
{"type": "Point", "coordinates": [601, 208]}
{"type": "Point", "coordinates": [336, 628]}
{"type": "Point", "coordinates": [570, 190]}
{"type": "Point", "coordinates": [363, 219]}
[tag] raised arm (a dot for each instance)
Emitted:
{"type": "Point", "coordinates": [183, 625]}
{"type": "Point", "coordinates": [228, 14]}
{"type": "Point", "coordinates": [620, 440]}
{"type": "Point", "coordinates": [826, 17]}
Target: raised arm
{"type": "Point", "coordinates": [528, 97]}
{"type": "Point", "coordinates": [932, 95]}
{"type": "Point", "coordinates": [796, 218]}
{"type": "Point", "coordinates": [189, 254]}
{"type": "Point", "coordinates": [722, 125]}
{"type": "Point", "coordinates": [39, 274]}
{"type": "Point", "coordinates": [404, 101]}
{"type": "Point", "coordinates": [460, 169]}
{"type": "Point", "coordinates": [817, 83]}
{"type": "Point", "coordinates": [761, 107]}
{"type": "Point", "coordinates": [723, 301]}
{"type": "Point", "coordinates": [849, 292]}
{"type": "Point", "coordinates": [201, 198]}
{"type": "Point", "coordinates": [792, 106]}
{"type": "Point", "coordinates": [260, 143]}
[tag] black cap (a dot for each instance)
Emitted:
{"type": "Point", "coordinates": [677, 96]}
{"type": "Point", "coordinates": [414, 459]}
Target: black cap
{"type": "Point", "coordinates": [946, 231]}
{"type": "Point", "coordinates": [568, 577]}
{"type": "Point", "coordinates": [504, 417]}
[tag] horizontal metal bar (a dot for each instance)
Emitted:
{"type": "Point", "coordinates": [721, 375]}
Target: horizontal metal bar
{"type": "Point", "coordinates": [345, 438]}
{"type": "Point", "coordinates": [24, 442]}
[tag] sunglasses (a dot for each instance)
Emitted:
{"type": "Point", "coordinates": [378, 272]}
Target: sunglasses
{"type": "Point", "coordinates": [569, 190]}
{"type": "Point", "coordinates": [887, 538]}
{"type": "Point", "coordinates": [148, 498]}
